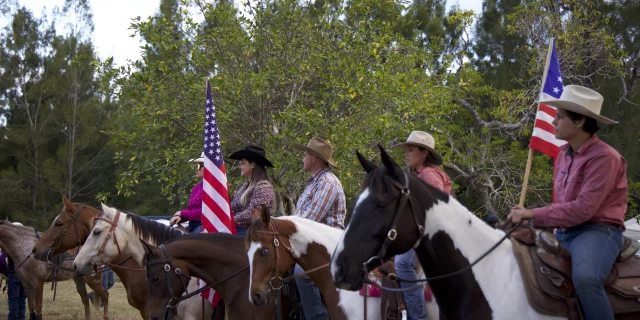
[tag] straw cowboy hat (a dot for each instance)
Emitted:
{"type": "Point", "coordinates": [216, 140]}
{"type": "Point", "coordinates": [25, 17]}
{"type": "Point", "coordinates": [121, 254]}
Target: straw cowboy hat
{"type": "Point", "coordinates": [320, 149]}
{"type": "Point", "coordinates": [200, 159]}
{"type": "Point", "coordinates": [254, 154]}
{"type": "Point", "coordinates": [425, 140]}
{"type": "Point", "coordinates": [580, 100]}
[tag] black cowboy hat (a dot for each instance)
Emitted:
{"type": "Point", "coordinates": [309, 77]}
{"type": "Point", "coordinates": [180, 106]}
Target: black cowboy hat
{"type": "Point", "coordinates": [254, 154]}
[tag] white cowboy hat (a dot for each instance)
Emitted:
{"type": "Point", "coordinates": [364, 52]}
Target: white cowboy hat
{"type": "Point", "coordinates": [200, 159]}
{"type": "Point", "coordinates": [425, 140]}
{"type": "Point", "coordinates": [581, 100]}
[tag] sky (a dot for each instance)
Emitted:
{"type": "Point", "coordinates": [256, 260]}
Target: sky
{"type": "Point", "coordinates": [112, 18]}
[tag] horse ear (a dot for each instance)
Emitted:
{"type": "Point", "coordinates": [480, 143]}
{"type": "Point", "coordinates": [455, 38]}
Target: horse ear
{"type": "Point", "coordinates": [256, 214]}
{"type": "Point", "coordinates": [67, 203]}
{"type": "Point", "coordinates": [266, 216]}
{"type": "Point", "coordinates": [148, 249]}
{"type": "Point", "coordinates": [392, 168]}
{"type": "Point", "coordinates": [367, 165]}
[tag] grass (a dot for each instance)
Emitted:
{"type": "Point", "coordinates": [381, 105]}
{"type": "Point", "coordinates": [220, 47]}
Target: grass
{"type": "Point", "coordinates": [69, 307]}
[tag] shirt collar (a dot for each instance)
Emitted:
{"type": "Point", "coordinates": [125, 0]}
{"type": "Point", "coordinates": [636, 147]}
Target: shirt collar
{"type": "Point", "coordinates": [318, 174]}
{"type": "Point", "coordinates": [584, 148]}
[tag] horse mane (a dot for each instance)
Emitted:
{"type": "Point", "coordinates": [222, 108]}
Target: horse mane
{"type": "Point", "coordinates": [152, 231]}
{"type": "Point", "coordinates": [20, 227]}
{"type": "Point", "coordinates": [256, 225]}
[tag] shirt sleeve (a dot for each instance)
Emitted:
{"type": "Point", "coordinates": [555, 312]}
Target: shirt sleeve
{"type": "Point", "coordinates": [193, 212]}
{"type": "Point", "coordinates": [323, 197]}
{"type": "Point", "coordinates": [597, 184]}
{"type": "Point", "coordinates": [262, 195]}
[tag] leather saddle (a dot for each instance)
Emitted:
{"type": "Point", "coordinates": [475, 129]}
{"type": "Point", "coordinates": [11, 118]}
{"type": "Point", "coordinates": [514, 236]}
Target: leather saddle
{"type": "Point", "coordinates": [545, 266]}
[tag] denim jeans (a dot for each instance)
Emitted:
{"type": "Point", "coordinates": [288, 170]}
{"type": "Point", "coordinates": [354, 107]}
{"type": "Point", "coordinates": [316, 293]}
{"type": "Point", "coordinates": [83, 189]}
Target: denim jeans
{"type": "Point", "coordinates": [406, 264]}
{"type": "Point", "coordinates": [17, 298]}
{"type": "Point", "coordinates": [310, 297]}
{"type": "Point", "coordinates": [241, 231]}
{"type": "Point", "coordinates": [594, 249]}
{"type": "Point", "coordinates": [195, 226]}
{"type": "Point", "coordinates": [108, 279]}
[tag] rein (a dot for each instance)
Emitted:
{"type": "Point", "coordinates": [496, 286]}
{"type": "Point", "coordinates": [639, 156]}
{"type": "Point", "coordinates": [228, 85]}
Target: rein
{"type": "Point", "coordinates": [168, 266]}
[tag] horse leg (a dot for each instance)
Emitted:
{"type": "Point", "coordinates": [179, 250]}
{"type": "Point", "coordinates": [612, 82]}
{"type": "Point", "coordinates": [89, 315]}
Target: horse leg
{"type": "Point", "coordinates": [38, 290]}
{"type": "Point", "coordinates": [99, 291]}
{"type": "Point", "coordinates": [82, 291]}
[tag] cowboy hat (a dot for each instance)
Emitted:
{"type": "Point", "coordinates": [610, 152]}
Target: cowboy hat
{"type": "Point", "coordinates": [320, 149]}
{"type": "Point", "coordinates": [424, 140]}
{"type": "Point", "coordinates": [581, 100]}
{"type": "Point", "coordinates": [200, 159]}
{"type": "Point", "coordinates": [254, 154]}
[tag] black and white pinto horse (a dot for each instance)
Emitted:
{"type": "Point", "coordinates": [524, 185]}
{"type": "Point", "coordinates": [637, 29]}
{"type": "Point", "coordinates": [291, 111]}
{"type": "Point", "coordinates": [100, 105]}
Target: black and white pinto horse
{"type": "Point", "coordinates": [447, 238]}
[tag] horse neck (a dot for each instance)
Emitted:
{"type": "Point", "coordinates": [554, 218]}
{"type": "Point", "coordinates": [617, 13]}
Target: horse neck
{"type": "Point", "coordinates": [17, 242]}
{"type": "Point", "coordinates": [215, 259]}
{"type": "Point", "coordinates": [312, 245]}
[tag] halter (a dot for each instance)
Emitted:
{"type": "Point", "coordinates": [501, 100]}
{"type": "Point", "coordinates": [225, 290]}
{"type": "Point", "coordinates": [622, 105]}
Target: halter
{"type": "Point", "coordinates": [168, 266]}
{"type": "Point", "coordinates": [392, 234]}
{"type": "Point", "coordinates": [73, 221]}
{"type": "Point", "coordinates": [111, 234]}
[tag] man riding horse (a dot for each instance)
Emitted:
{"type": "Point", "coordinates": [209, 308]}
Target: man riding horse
{"type": "Point", "coordinates": [590, 181]}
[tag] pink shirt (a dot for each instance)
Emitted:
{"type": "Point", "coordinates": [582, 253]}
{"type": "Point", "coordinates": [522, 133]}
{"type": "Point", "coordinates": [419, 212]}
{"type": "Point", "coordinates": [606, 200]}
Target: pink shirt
{"type": "Point", "coordinates": [435, 176]}
{"type": "Point", "coordinates": [590, 185]}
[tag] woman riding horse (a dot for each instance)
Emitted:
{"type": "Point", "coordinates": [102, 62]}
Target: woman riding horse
{"type": "Point", "coordinates": [424, 161]}
{"type": "Point", "coordinates": [590, 182]}
{"type": "Point", "coordinates": [193, 212]}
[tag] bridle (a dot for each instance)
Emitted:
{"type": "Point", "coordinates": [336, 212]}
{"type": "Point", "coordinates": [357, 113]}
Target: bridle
{"type": "Point", "coordinates": [392, 234]}
{"type": "Point", "coordinates": [168, 266]}
{"type": "Point", "coordinates": [73, 221]}
{"type": "Point", "coordinates": [111, 233]}
{"type": "Point", "coordinates": [172, 304]}
{"type": "Point", "coordinates": [277, 277]}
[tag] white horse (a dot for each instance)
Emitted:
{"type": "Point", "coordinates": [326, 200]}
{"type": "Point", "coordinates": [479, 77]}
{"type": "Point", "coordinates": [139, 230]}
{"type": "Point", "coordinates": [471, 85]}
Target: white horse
{"type": "Point", "coordinates": [117, 232]}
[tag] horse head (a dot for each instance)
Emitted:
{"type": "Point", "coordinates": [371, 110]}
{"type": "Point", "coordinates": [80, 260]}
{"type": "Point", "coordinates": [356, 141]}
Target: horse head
{"type": "Point", "coordinates": [388, 219]}
{"type": "Point", "coordinates": [265, 243]}
{"type": "Point", "coordinates": [167, 279]}
{"type": "Point", "coordinates": [105, 242]}
{"type": "Point", "coordinates": [68, 230]}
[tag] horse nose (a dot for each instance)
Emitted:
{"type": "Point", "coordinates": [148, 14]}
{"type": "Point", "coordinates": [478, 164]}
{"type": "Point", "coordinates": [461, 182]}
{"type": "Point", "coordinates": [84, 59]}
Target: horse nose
{"type": "Point", "coordinates": [154, 318]}
{"type": "Point", "coordinates": [257, 299]}
{"type": "Point", "coordinates": [78, 271]}
{"type": "Point", "coordinates": [338, 274]}
{"type": "Point", "coordinates": [34, 250]}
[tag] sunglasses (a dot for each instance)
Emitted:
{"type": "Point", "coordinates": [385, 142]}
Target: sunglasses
{"type": "Point", "coordinates": [199, 166]}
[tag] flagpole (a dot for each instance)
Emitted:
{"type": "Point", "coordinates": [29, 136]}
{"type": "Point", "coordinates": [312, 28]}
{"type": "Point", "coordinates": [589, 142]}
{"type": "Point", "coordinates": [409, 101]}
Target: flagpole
{"type": "Point", "coordinates": [527, 171]}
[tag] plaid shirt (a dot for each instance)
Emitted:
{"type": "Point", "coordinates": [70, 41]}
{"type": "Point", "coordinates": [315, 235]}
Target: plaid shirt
{"type": "Point", "coordinates": [323, 200]}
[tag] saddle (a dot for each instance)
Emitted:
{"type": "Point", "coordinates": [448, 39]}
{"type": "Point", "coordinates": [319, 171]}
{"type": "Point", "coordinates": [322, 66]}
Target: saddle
{"type": "Point", "coordinates": [545, 266]}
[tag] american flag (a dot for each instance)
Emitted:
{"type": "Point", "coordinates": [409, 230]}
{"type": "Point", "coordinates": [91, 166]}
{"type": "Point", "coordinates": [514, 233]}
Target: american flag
{"type": "Point", "coordinates": [543, 138]}
{"type": "Point", "coordinates": [216, 211]}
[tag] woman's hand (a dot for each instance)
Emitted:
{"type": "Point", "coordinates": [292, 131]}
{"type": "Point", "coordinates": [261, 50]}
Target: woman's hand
{"type": "Point", "coordinates": [519, 213]}
{"type": "Point", "coordinates": [176, 218]}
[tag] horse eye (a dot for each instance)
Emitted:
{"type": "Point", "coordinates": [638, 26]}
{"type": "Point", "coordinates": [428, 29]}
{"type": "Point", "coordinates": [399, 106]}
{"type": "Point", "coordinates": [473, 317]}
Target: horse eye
{"type": "Point", "coordinates": [155, 279]}
{"type": "Point", "coordinates": [58, 224]}
{"type": "Point", "coordinates": [96, 232]}
{"type": "Point", "coordinates": [264, 252]}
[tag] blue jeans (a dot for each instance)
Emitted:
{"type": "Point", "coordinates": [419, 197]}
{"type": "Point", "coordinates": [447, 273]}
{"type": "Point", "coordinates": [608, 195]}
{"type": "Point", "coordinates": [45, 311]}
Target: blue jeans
{"type": "Point", "coordinates": [406, 264]}
{"type": "Point", "coordinates": [241, 231]}
{"type": "Point", "coordinates": [108, 279]}
{"type": "Point", "coordinates": [195, 226]}
{"type": "Point", "coordinates": [17, 298]}
{"type": "Point", "coordinates": [594, 249]}
{"type": "Point", "coordinates": [310, 297]}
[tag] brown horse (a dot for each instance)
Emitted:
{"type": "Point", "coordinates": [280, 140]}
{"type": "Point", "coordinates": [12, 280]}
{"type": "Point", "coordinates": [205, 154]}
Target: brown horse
{"type": "Point", "coordinates": [17, 241]}
{"type": "Point", "coordinates": [274, 245]}
{"type": "Point", "coordinates": [70, 229]}
{"type": "Point", "coordinates": [216, 258]}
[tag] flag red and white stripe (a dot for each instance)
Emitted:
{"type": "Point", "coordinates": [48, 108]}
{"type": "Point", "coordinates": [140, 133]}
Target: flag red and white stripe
{"type": "Point", "coordinates": [216, 211]}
